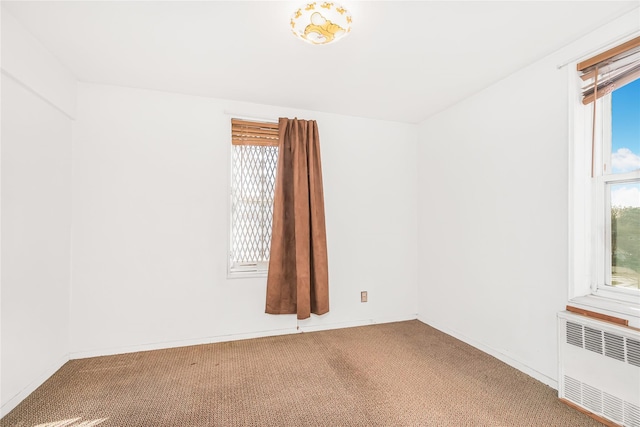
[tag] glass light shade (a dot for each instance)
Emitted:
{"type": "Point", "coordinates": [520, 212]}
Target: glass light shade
{"type": "Point", "coordinates": [321, 22]}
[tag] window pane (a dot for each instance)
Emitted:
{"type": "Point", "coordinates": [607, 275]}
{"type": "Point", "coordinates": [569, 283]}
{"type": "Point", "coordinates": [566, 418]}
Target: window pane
{"type": "Point", "coordinates": [625, 128]}
{"type": "Point", "coordinates": [625, 235]}
{"type": "Point", "coordinates": [252, 191]}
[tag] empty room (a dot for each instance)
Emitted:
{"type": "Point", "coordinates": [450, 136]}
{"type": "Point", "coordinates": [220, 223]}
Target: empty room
{"type": "Point", "coordinates": [354, 213]}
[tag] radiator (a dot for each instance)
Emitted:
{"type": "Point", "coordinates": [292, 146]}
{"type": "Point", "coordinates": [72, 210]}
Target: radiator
{"type": "Point", "coordinates": [600, 368]}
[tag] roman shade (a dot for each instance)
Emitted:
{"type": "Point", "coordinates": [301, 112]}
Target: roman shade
{"type": "Point", "coordinates": [254, 133]}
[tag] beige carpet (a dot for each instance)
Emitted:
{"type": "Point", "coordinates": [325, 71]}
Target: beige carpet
{"type": "Point", "coordinates": [395, 374]}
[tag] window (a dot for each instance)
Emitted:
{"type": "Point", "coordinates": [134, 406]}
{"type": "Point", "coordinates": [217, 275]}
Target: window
{"type": "Point", "coordinates": [607, 173]}
{"type": "Point", "coordinates": [616, 183]}
{"type": "Point", "coordinates": [254, 159]}
{"type": "Point", "coordinates": [623, 188]}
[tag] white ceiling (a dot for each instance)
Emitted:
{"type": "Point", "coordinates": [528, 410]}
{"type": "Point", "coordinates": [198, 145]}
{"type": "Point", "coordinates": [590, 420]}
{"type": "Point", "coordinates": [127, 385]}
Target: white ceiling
{"type": "Point", "coordinates": [404, 61]}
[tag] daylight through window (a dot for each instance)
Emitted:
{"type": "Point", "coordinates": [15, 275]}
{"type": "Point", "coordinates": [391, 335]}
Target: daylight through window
{"type": "Point", "coordinates": [612, 97]}
{"type": "Point", "coordinates": [623, 187]}
{"type": "Point", "coordinates": [254, 159]}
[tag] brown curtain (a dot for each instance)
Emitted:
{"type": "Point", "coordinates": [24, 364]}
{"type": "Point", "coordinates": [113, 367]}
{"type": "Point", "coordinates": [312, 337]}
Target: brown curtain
{"type": "Point", "coordinates": [298, 273]}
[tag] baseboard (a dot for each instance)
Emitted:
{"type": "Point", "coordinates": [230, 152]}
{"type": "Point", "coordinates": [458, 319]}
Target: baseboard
{"type": "Point", "coordinates": [37, 382]}
{"type": "Point", "coordinates": [235, 337]}
{"type": "Point", "coordinates": [590, 414]}
{"type": "Point", "coordinates": [495, 353]}
{"type": "Point", "coordinates": [181, 343]}
{"type": "Point", "coordinates": [354, 323]}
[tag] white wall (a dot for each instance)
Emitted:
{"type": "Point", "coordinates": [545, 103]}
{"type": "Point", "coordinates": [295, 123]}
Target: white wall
{"type": "Point", "coordinates": [38, 97]}
{"type": "Point", "coordinates": [26, 60]}
{"type": "Point", "coordinates": [493, 208]}
{"type": "Point", "coordinates": [150, 222]}
{"type": "Point", "coordinates": [149, 217]}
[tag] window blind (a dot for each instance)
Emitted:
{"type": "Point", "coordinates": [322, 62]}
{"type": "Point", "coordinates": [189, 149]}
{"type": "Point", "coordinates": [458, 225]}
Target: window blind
{"type": "Point", "coordinates": [254, 133]}
{"type": "Point", "coordinates": [610, 70]}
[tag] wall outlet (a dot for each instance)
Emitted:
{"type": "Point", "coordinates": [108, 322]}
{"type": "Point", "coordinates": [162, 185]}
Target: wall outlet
{"type": "Point", "coordinates": [363, 296]}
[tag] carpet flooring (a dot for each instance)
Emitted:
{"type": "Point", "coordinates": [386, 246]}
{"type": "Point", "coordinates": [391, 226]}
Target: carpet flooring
{"type": "Point", "coordinates": [394, 374]}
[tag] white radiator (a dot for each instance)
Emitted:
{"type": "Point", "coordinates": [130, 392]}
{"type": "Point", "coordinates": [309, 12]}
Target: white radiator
{"type": "Point", "coordinates": [600, 368]}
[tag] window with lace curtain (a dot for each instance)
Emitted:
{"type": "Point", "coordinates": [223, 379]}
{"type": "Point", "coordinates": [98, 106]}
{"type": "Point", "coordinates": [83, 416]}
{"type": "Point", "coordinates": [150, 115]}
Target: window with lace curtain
{"type": "Point", "coordinates": [254, 159]}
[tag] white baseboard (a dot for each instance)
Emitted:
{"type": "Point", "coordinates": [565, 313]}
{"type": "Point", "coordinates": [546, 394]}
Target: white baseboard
{"type": "Point", "coordinates": [495, 353]}
{"type": "Point", "coordinates": [234, 337]}
{"type": "Point", "coordinates": [354, 323]}
{"type": "Point", "coordinates": [180, 343]}
{"type": "Point", "coordinates": [37, 382]}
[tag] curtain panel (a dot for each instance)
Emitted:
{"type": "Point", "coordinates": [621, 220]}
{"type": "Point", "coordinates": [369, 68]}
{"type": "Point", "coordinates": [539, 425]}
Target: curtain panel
{"type": "Point", "coordinates": [297, 282]}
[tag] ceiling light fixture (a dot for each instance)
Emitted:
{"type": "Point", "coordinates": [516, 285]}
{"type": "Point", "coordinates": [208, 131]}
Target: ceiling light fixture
{"type": "Point", "coordinates": [321, 22]}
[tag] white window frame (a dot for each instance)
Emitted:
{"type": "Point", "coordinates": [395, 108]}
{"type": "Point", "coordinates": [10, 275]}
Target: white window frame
{"type": "Point", "coordinates": [240, 270]}
{"type": "Point", "coordinates": [589, 207]}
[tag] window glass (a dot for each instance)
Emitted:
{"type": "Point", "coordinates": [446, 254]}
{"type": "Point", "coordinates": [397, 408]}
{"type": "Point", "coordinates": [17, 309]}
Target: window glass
{"type": "Point", "coordinates": [625, 235]}
{"type": "Point", "coordinates": [252, 192]}
{"type": "Point", "coordinates": [625, 128]}
{"type": "Point", "coordinates": [624, 190]}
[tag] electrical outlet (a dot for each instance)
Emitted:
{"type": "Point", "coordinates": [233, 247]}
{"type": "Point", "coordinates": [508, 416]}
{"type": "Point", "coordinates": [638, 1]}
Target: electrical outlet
{"type": "Point", "coordinates": [363, 296]}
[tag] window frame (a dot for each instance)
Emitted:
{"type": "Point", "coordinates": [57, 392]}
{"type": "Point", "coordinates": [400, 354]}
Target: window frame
{"type": "Point", "coordinates": [602, 181]}
{"type": "Point", "coordinates": [240, 270]}
{"type": "Point", "coordinates": [589, 208]}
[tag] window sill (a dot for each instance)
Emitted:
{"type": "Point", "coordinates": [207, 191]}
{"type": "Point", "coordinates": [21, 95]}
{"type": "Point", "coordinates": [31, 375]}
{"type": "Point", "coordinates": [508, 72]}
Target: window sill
{"type": "Point", "coordinates": [246, 274]}
{"type": "Point", "coordinates": [625, 310]}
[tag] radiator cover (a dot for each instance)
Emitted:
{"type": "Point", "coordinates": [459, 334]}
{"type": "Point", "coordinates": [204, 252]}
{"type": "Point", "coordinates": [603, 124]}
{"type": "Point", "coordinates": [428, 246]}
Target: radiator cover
{"type": "Point", "coordinates": [600, 367]}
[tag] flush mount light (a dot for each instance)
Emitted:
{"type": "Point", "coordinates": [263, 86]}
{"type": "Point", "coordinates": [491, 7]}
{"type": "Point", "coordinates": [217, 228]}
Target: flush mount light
{"type": "Point", "coordinates": [321, 22]}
